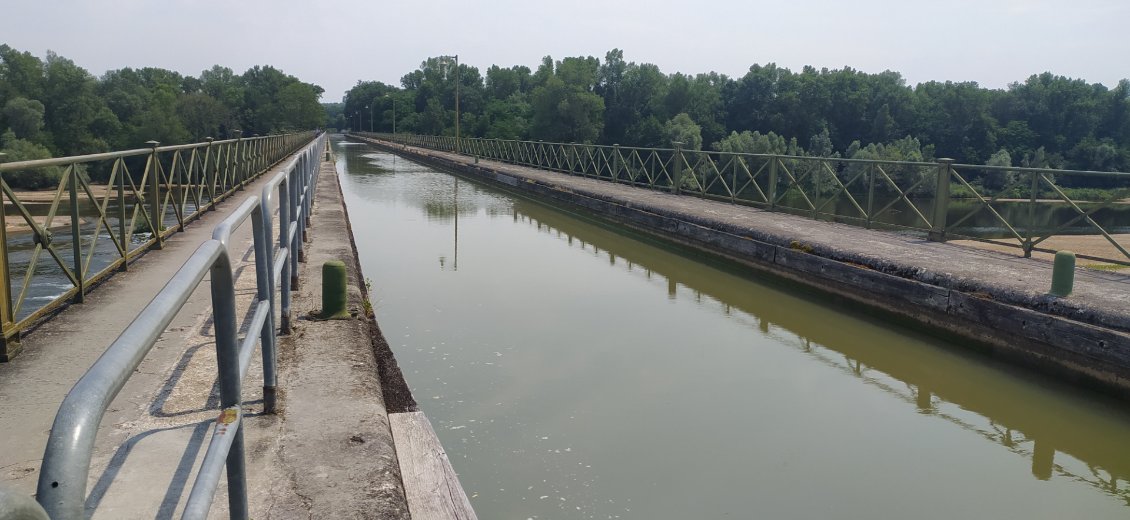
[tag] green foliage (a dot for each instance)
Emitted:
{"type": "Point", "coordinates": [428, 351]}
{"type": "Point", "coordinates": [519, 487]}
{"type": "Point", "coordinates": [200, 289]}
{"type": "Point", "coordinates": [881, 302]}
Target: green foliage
{"type": "Point", "coordinates": [1046, 120]}
{"type": "Point", "coordinates": [24, 116]}
{"type": "Point", "coordinates": [564, 107]}
{"type": "Point", "coordinates": [908, 178]}
{"type": "Point", "coordinates": [58, 105]}
{"type": "Point", "coordinates": [53, 107]}
{"type": "Point", "coordinates": [15, 150]}
{"type": "Point", "coordinates": [753, 142]}
{"type": "Point", "coordinates": [683, 129]}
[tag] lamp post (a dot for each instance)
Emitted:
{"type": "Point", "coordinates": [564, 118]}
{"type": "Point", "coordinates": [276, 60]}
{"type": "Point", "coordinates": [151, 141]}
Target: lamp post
{"type": "Point", "coordinates": [358, 113]}
{"type": "Point", "coordinates": [370, 107]}
{"type": "Point", "coordinates": [456, 58]}
{"type": "Point", "coordinates": [393, 99]}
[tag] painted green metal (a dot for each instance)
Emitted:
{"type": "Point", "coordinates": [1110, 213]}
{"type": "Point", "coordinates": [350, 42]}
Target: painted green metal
{"type": "Point", "coordinates": [159, 188]}
{"type": "Point", "coordinates": [334, 283]}
{"type": "Point", "coordinates": [1063, 274]}
{"type": "Point", "coordinates": [942, 195]}
{"type": "Point", "coordinates": [924, 195]}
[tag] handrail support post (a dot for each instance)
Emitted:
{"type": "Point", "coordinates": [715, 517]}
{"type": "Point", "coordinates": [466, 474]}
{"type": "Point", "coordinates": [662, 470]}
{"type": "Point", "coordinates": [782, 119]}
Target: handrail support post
{"type": "Point", "coordinates": [941, 201]}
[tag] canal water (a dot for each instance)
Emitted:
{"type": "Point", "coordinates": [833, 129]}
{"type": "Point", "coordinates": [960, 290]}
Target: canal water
{"type": "Point", "coordinates": [574, 370]}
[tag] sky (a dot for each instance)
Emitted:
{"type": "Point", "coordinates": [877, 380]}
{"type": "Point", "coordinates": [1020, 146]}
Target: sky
{"type": "Point", "coordinates": [337, 43]}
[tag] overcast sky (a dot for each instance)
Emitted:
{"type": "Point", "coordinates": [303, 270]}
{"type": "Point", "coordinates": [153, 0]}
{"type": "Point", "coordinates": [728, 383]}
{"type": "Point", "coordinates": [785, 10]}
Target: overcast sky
{"type": "Point", "coordinates": [336, 43]}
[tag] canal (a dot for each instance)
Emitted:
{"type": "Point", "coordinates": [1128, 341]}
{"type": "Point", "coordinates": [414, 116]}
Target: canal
{"type": "Point", "coordinates": [575, 370]}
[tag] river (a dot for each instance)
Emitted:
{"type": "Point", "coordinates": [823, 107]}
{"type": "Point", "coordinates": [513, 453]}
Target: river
{"type": "Point", "coordinates": [575, 370]}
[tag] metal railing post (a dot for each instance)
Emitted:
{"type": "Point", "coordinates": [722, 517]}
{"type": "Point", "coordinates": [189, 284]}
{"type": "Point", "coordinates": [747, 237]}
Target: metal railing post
{"type": "Point", "coordinates": [155, 195]}
{"type": "Point", "coordinates": [76, 232]}
{"type": "Point", "coordinates": [1028, 237]}
{"type": "Point", "coordinates": [870, 196]}
{"type": "Point", "coordinates": [124, 234]}
{"type": "Point", "coordinates": [264, 288]}
{"type": "Point", "coordinates": [227, 358]}
{"type": "Point", "coordinates": [308, 199]}
{"type": "Point", "coordinates": [205, 177]}
{"type": "Point", "coordinates": [677, 168]}
{"type": "Point", "coordinates": [615, 162]}
{"type": "Point", "coordinates": [9, 339]}
{"type": "Point", "coordinates": [772, 188]}
{"type": "Point", "coordinates": [236, 161]}
{"type": "Point", "coordinates": [815, 192]}
{"type": "Point", "coordinates": [941, 201]}
{"type": "Point", "coordinates": [284, 234]}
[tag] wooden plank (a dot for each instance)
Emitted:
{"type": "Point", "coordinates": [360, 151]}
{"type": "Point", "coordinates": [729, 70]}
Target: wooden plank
{"type": "Point", "coordinates": [430, 484]}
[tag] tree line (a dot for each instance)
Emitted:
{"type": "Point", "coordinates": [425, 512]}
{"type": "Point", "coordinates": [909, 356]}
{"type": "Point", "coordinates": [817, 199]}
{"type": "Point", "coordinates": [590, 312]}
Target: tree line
{"type": "Point", "coordinates": [51, 107]}
{"type": "Point", "coordinates": [1044, 121]}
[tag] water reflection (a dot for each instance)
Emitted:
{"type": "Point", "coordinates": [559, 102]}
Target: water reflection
{"type": "Point", "coordinates": [1058, 436]}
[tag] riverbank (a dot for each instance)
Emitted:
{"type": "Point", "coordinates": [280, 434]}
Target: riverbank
{"type": "Point", "coordinates": [998, 302]}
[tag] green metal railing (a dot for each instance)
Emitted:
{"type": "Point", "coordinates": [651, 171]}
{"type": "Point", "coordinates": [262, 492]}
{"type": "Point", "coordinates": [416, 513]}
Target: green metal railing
{"type": "Point", "coordinates": [90, 229]}
{"type": "Point", "coordinates": [1030, 209]}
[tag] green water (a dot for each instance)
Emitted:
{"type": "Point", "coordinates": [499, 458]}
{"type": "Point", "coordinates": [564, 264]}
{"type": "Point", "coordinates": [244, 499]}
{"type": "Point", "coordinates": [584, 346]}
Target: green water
{"type": "Point", "coordinates": [574, 371]}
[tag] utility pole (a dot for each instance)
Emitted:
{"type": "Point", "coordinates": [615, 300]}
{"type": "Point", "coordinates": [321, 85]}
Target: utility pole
{"type": "Point", "coordinates": [456, 58]}
{"type": "Point", "coordinates": [393, 99]}
{"type": "Point", "coordinates": [457, 145]}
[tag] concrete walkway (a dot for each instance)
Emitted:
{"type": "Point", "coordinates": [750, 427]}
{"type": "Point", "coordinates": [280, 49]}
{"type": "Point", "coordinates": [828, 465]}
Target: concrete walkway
{"type": "Point", "coordinates": [327, 454]}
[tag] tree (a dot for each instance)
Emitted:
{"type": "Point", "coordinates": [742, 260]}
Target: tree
{"type": "Point", "coordinates": [996, 180]}
{"type": "Point", "coordinates": [753, 142]}
{"type": "Point", "coordinates": [565, 108]}
{"type": "Point", "coordinates": [73, 108]}
{"type": "Point", "coordinates": [683, 129]}
{"type": "Point", "coordinates": [204, 116]}
{"type": "Point", "coordinates": [24, 117]}
{"type": "Point", "coordinates": [23, 150]}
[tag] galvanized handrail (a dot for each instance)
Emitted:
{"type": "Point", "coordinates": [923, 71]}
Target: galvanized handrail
{"type": "Point", "coordinates": [1003, 205]}
{"type": "Point", "coordinates": [66, 461]}
{"type": "Point", "coordinates": [149, 194]}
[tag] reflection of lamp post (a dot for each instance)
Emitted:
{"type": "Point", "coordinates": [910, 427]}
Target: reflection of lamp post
{"type": "Point", "coordinates": [455, 201]}
{"type": "Point", "coordinates": [456, 58]}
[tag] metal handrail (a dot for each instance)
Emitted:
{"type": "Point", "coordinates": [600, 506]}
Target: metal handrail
{"type": "Point", "coordinates": [175, 185]}
{"type": "Point", "coordinates": [66, 462]}
{"type": "Point", "coordinates": [942, 199]}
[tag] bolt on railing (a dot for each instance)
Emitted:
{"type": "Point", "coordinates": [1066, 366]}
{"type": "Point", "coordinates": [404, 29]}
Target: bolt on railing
{"type": "Point", "coordinates": [66, 461]}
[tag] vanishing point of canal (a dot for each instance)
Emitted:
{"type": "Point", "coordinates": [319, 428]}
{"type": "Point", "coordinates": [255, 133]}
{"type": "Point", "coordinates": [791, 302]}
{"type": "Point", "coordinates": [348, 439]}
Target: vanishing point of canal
{"type": "Point", "coordinates": [573, 370]}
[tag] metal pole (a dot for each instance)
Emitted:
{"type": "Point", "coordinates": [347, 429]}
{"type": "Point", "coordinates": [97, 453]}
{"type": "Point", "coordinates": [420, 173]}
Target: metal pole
{"type": "Point", "coordinates": [155, 195]}
{"type": "Point", "coordinates": [772, 191]}
{"type": "Point", "coordinates": [457, 147]}
{"type": "Point", "coordinates": [227, 357]}
{"type": "Point", "coordinates": [9, 346]}
{"type": "Point", "coordinates": [76, 233]}
{"type": "Point", "coordinates": [371, 107]}
{"type": "Point", "coordinates": [941, 201]}
{"type": "Point", "coordinates": [677, 169]}
{"type": "Point", "coordinates": [264, 276]}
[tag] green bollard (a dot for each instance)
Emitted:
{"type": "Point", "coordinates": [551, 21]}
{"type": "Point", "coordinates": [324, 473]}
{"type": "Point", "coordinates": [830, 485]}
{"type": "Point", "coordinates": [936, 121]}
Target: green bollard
{"type": "Point", "coordinates": [333, 291]}
{"type": "Point", "coordinates": [1063, 274]}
